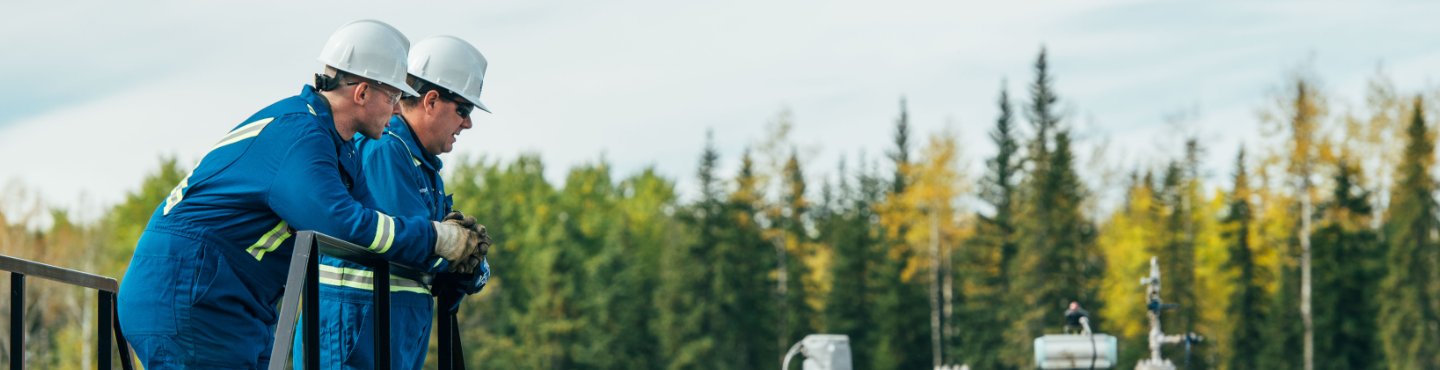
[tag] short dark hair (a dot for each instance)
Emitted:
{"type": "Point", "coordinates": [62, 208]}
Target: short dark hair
{"type": "Point", "coordinates": [334, 78]}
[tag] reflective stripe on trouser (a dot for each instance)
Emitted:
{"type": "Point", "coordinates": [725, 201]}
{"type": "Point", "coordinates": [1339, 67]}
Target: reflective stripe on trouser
{"type": "Point", "coordinates": [365, 280]}
{"type": "Point", "coordinates": [347, 330]}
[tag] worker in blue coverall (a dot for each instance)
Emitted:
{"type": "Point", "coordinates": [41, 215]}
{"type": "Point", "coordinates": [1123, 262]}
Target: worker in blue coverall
{"type": "Point", "coordinates": [207, 273]}
{"type": "Point", "coordinates": [402, 170]}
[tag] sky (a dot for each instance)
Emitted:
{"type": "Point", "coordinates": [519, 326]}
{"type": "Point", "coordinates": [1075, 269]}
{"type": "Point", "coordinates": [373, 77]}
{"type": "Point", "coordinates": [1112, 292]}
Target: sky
{"type": "Point", "coordinates": [96, 92]}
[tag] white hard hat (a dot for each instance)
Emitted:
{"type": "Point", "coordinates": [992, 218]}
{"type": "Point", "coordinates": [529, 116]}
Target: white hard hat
{"type": "Point", "coordinates": [450, 63]}
{"type": "Point", "coordinates": [370, 49]}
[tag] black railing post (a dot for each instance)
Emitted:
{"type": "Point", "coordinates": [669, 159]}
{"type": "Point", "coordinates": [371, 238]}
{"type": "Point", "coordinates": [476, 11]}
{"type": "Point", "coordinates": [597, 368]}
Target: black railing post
{"type": "Point", "coordinates": [123, 345]}
{"type": "Point", "coordinates": [17, 321]}
{"type": "Point", "coordinates": [312, 313]}
{"type": "Point", "coordinates": [442, 330]}
{"type": "Point", "coordinates": [303, 277]}
{"type": "Point", "coordinates": [290, 300]}
{"type": "Point", "coordinates": [102, 321]}
{"type": "Point", "coordinates": [106, 316]}
{"type": "Point", "coordinates": [457, 355]}
{"type": "Point", "coordinates": [382, 315]}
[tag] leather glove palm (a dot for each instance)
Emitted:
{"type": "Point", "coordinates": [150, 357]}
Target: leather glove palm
{"type": "Point", "coordinates": [484, 242]}
{"type": "Point", "coordinates": [457, 244]}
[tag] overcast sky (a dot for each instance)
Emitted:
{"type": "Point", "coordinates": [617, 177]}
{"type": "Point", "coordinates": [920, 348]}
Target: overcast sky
{"type": "Point", "coordinates": [95, 92]}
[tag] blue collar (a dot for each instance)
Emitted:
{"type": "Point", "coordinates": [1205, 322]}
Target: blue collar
{"type": "Point", "coordinates": [320, 107]}
{"type": "Point", "coordinates": [400, 129]}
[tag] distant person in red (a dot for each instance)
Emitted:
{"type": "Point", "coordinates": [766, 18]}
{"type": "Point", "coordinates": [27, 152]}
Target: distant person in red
{"type": "Point", "coordinates": [1072, 318]}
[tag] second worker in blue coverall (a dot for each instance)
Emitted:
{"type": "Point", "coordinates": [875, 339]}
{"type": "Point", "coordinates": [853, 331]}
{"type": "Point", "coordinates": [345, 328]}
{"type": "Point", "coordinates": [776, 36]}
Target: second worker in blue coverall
{"type": "Point", "coordinates": [201, 289]}
{"type": "Point", "coordinates": [402, 170]}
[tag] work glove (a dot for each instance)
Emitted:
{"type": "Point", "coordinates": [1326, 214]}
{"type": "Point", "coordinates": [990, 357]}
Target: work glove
{"type": "Point", "coordinates": [457, 244]}
{"type": "Point", "coordinates": [469, 222]}
{"type": "Point", "coordinates": [450, 288]}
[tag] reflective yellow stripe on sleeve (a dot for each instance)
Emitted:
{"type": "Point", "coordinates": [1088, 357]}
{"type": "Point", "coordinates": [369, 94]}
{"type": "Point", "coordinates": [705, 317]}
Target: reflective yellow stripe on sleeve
{"type": "Point", "coordinates": [384, 233]}
{"type": "Point", "coordinates": [365, 279]}
{"type": "Point", "coordinates": [270, 240]}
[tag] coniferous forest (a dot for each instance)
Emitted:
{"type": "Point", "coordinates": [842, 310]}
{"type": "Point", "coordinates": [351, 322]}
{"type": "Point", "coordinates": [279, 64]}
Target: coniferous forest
{"type": "Point", "coordinates": [1326, 228]}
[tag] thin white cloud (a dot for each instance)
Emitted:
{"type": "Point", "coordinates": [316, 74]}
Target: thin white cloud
{"type": "Point", "coordinates": [641, 81]}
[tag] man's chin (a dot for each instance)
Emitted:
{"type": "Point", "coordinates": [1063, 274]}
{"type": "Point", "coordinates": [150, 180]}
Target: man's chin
{"type": "Point", "coordinates": [374, 135]}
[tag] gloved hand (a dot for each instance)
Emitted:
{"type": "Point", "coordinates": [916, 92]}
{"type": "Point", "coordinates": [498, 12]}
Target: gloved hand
{"type": "Point", "coordinates": [469, 222]}
{"type": "Point", "coordinates": [450, 288]}
{"type": "Point", "coordinates": [456, 243]}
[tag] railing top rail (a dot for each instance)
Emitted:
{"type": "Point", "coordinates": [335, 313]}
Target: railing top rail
{"type": "Point", "coordinates": [60, 274]}
{"type": "Point", "coordinates": [333, 247]}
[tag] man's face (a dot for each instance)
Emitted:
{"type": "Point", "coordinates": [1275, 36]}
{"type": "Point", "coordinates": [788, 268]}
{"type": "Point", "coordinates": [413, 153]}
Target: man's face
{"type": "Point", "coordinates": [381, 102]}
{"type": "Point", "coordinates": [452, 118]}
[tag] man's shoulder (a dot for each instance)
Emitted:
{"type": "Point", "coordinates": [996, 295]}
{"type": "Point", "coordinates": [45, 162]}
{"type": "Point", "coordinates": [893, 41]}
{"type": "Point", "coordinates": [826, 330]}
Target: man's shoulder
{"type": "Point", "coordinates": [389, 147]}
{"type": "Point", "coordinates": [291, 117]}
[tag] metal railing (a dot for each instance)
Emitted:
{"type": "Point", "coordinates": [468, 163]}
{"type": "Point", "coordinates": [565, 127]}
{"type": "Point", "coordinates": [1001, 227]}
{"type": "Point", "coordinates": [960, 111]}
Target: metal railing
{"type": "Point", "coordinates": [304, 276]}
{"type": "Point", "coordinates": [105, 315]}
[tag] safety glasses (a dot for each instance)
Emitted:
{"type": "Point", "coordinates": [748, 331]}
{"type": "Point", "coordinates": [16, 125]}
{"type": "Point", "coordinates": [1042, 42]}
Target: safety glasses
{"type": "Point", "coordinates": [461, 107]}
{"type": "Point", "coordinates": [394, 97]}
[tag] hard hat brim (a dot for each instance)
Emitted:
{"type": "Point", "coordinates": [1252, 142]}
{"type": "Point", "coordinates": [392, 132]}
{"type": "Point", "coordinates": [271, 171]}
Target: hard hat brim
{"type": "Point", "coordinates": [404, 88]}
{"type": "Point", "coordinates": [409, 92]}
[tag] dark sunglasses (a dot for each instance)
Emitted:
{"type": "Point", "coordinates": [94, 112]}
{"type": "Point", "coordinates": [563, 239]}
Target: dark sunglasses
{"type": "Point", "coordinates": [461, 108]}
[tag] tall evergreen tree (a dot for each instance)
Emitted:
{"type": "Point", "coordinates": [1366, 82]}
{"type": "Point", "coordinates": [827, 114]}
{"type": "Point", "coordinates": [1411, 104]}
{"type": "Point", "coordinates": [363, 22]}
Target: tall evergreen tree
{"type": "Point", "coordinates": [1408, 321]}
{"type": "Point", "coordinates": [1054, 263]}
{"type": "Point", "coordinates": [801, 318]}
{"type": "Point", "coordinates": [1041, 109]}
{"type": "Point", "coordinates": [1246, 310]}
{"type": "Point", "coordinates": [1055, 250]}
{"type": "Point", "coordinates": [900, 308]}
{"type": "Point", "coordinates": [983, 266]}
{"type": "Point", "coordinates": [687, 322]}
{"type": "Point", "coordinates": [901, 153]}
{"type": "Point", "coordinates": [850, 233]}
{"type": "Point", "coordinates": [745, 262]}
{"type": "Point", "coordinates": [1177, 255]}
{"type": "Point", "coordinates": [1346, 259]}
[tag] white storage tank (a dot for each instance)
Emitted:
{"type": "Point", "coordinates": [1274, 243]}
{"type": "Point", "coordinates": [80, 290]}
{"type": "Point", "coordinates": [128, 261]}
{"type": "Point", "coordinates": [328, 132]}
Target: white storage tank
{"type": "Point", "coordinates": [1075, 351]}
{"type": "Point", "coordinates": [826, 352]}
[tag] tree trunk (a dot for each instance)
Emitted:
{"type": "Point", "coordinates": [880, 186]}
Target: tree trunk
{"type": "Point", "coordinates": [935, 286]}
{"type": "Point", "coordinates": [1305, 272]}
{"type": "Point", "coordinates": [947, 290]}
{"type": "Point", "coordinates": [781, 295]}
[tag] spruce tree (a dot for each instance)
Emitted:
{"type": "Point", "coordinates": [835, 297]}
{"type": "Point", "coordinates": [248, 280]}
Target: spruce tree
{"type": "Point", "coordinates": [801, 318]}
{"type": "Point", "coordinates": [901, 153]}
{"type": "Point", "coordinates": [848, 231]}
{"type": "Point", "coordinates": [983, 265]}
{"type": "Point", "coordinates": [1059, 266]}
{"type": "Point", "coordinates": [1054, 264]}
{"type": "Point", "coordinates": [1408, 321]}
{"type": "Point", "coordinates": [1041, 109]}
{"type": "Point", "coordinates": [900, 310]}
{"type": "Point", "coordinates": [1246, 310]}
{"type": "Point", "coordinates": [1177, 255]}
{"type": "Point", "coordinates": [686, 322]}
{"type": "Point", "coordinates": [743, 275]}
{"type": "Point", "coordinates": [1346, 260]}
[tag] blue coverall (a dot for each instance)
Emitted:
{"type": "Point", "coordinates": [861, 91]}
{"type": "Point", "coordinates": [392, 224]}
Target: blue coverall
{"type": "Point", "coordinates": [405, 181]}
{"type": "Point", "coordinates": [202, 287]}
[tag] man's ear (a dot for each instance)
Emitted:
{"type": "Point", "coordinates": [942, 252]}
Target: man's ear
{"type": "Point", "coordinates": [359, 95]}
{"type": "Point", "coordinates": [432, 101]}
